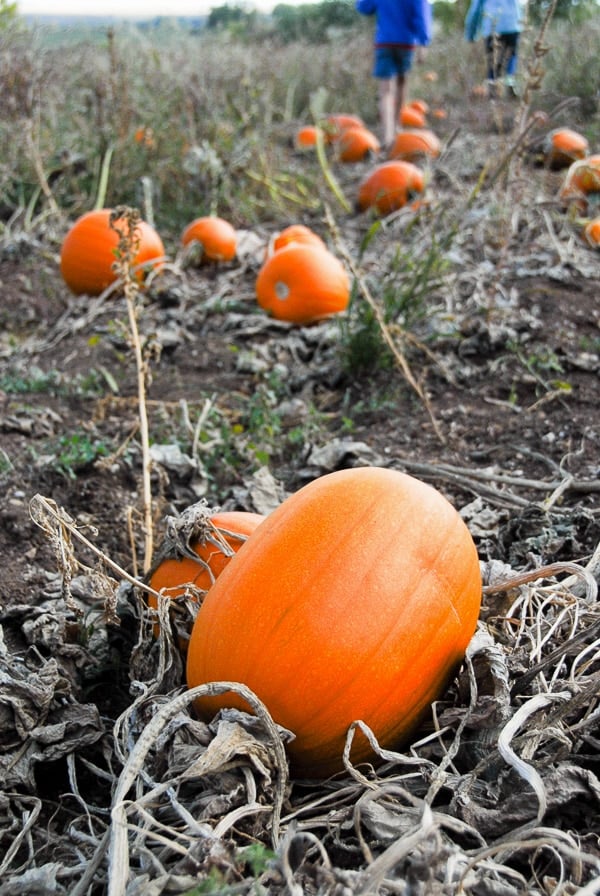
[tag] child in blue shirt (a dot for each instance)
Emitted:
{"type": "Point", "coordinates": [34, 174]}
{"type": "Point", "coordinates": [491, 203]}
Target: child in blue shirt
{"type": "Point", "coordinates": [499, 23]}
{"type": "Point", "coordinates": [401, 27]}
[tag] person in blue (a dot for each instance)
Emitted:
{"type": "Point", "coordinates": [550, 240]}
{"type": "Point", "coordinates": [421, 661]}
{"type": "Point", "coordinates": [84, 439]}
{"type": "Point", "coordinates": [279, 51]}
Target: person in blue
{"type": "Point", "coordinates": [402, 28]}
{"type": "Point", "coordinates": [499, 22]}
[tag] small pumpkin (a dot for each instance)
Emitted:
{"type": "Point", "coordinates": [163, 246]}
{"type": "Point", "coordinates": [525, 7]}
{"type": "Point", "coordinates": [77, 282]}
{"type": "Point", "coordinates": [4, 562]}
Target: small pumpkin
{"type": "Point", "coordinates": [439, 113]}
{"type": "Point", "coordinates": [356, 599]}
{"type": "Point", "coordinates": [87, 254]}
{"type": "Point", "coordinates": [430, 76]}
{"type": "Point", "coordinates": [302, 283]}
{"type": "Point", "coordinates": [218, 539]}
{"type": "Point", "coordinates": [356, 143]}
{"type": "Point", "coordinates": [296, 233]}
{"type": "Point", "coordinates": [411, 117]}
{"type": "Point", "coordinates": [413, 145]}
{"type": "Point", "coordinates": [390, 186]}
{"type": "Point", "coordinates": [306, 137]}
{"type": "Point", "coordinates": [591, 233]}
{"type": "Point", "coordinates": [420, 105]}
{"type": "Point", "coordinates": [338, 122]}
{"type": "Point", "coordinates": [581, 180]}
{"type": "Point", "coordinates": [563, 146]}
{"type": "Point", "coordinates": [216, 236]}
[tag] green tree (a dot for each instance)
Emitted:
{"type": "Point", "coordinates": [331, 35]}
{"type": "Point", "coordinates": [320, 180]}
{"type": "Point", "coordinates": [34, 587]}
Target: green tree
{"type": "Point", "coordinates": [8, 13]}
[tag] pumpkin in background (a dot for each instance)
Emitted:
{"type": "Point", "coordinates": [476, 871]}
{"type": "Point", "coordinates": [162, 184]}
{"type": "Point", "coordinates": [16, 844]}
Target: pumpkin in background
{"type": "Point", "coordinates": [356, 599]}
{"type": "Point", "coordinates": [217, 238]}
{"type": "Point", "coordinates": [564, 146]}
{"type": "Point", "coordinates": [581, 180]}
{"type": "Point", "coordinates": [439, 113]}
{"type": "Point", "coordinates": [591, 233]}
{"type": "Point", "coordinates": [220, 536]}
{"type": "Point", "coordinates": [295, 233]}
{"type": "Point", "coordinates": [338, 122]}
{"type": "Point", "coordinates": [420, 105]}
{"type": "Point", "coordinates": [302, 283]}
{"type": "Point", "coordinates": [87, 254]}
{"type": "Point", "coordinates": [356, 144]}
{"type": "Point", "coordinates": [411, 117]}
{"type": "Point", "coordinates": [415, 144]}
{"type": "Point", "coordinates": [390, 186]}
{"type": "Point", "coordinates": [306, 137]}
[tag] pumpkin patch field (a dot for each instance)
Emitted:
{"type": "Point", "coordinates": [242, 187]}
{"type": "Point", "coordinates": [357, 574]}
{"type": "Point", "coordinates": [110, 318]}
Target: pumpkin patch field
{"type": "Point", "coordinates": [299, 469]}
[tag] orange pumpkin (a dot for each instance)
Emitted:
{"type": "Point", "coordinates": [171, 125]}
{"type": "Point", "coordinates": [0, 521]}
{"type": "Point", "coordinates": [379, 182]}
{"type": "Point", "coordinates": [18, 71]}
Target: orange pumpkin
{"type": "Point", "coordinates": [390, 186]}
{"type": "Point", "coordinates": [440, 114]}
{"type": "Point", "coordinates": [591, 233]}
{"type": "Point", "coordinates": [581, 179]}
{"type": "Point", "coordinates": [296, 233]}
{"type": "Point", "coordinates": [306, 137]}
{"type": "Point", "coordinates": [219, 539]}
{"type": "Point", "coordinates": [564, 146]}
{"type": "Point", "coordinates": [87, 254]}
{"type": "Point", "coordinates": [420, 105]}
{"type": "Point", "coordinates": [338, 122]}
{"type": "Point", "coordinates": [216, 236]}
{"type": "Point", "coordinates": [411, 117]}
{"type": "Point", "coordinates": [356, 143]}
{"type": "Point", "coordinates": [302, 283]}
{"type": "Point", "coordinates": [356, 599]}
{"type": "Point", "coordinates": [415, 144]}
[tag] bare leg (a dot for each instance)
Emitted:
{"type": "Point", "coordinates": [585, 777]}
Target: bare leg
{"type": "Point", "coordinates": [400, 94]}
{"type": "Point", "coordinates": [387, 110]}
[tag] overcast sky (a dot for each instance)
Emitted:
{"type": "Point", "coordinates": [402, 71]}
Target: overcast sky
{"type": "Point", "coordinates": [144, 8]}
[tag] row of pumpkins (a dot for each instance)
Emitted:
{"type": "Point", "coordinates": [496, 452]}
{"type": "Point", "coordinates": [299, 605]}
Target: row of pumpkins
{"type": "Point", "coordinates": [307, 282]}
{"type": "Point", "coordinates": [300, 281]}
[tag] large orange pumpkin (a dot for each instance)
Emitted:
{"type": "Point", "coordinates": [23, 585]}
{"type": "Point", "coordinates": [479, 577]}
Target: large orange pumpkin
{"type": "Point", "coordinates": [412, 145]}
{"type": "Point", "coordinates": [218, 540]}
{"type": "Point", "coordinates": [87, 254]}
{"type": "Point", "coordinates": [216, 236]}
{"type": "Point", "coordinates": [302, 283]}
{"type": "Point", "coordinates": [390, 186]}
{"type": "Point", "coordinates": [356, 143]}
{"type": "Point", "coordinates": [356, 599]}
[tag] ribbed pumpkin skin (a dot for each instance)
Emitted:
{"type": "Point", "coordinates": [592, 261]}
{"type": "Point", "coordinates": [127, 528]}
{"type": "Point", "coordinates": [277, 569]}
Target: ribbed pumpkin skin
{"type": "Point", "coordinates": [173, 574]}
{"type": "Point", "coordinates": [355, 599]}
{"type": "Point", "coordinates": [390, 186]}
{"type": "Point", "coordinates": [414, 145]}
{"type": "Point", "coordinates": [216, 236]}
{"type": "Point", "coordinates": [302, 283]}
{"type": "Point", "coordinates": [355, 143]}
{"type": "Point", "coordinates": [87, 254]}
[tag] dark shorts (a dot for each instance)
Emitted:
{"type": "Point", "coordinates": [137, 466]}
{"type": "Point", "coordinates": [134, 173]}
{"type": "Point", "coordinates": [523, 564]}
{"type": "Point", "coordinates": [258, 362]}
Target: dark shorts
{"type": "Point", "coordinates": [391, 61]}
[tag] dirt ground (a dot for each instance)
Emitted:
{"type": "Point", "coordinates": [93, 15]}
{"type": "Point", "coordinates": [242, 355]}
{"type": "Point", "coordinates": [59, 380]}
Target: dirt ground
{"type": "Point", "coordinates": [507, 358]}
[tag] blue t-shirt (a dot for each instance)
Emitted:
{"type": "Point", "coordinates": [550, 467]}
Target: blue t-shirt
{"type": "Point", "coordinates": [402, 22]}
{"type": "Point", "coordinates": [486, 17]}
